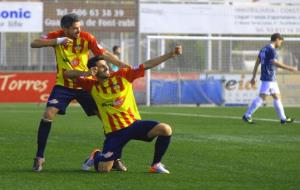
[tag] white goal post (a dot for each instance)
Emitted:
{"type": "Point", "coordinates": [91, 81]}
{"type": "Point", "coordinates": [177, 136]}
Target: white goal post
{"type": "Point", "coordinates": [219, 53]}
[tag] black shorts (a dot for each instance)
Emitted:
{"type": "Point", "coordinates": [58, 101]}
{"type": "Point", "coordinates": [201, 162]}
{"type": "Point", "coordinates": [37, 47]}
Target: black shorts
{"type": "Point", "coordinates": [61, 97]}
{"type": "Point", "coordinates": [115, 141]}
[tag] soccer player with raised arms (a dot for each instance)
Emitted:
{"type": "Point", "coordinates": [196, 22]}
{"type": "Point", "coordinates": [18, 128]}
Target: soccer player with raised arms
{"type": "Point", "coordinates": [268, 59]}
{"type": "Point", "coordinates": [71, 46]}
{"type": "Point", "coordinates": [122, 122]}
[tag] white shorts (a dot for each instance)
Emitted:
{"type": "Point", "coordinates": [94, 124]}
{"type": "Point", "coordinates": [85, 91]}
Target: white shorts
{"type": "Point", "coordinates": [269, 87]}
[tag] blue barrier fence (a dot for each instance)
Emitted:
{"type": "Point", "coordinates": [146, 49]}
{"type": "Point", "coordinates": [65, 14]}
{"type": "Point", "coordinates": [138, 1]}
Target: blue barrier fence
{"type": "Point", "coordinates": [187, 92]}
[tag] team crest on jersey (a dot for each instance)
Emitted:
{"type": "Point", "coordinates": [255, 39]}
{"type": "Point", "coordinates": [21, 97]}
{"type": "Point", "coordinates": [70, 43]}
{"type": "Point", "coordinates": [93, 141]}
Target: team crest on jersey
{"type": "Point", "coordinates": [119, 102]}
{"type": "Point", "coordinates": [75, 62]}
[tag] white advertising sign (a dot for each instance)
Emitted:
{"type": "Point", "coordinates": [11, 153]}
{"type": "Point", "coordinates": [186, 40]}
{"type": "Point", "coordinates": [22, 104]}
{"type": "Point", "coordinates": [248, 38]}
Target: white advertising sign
{"type": "Point", "coordinates": [263, 1]}
{"type": "Point", "coordinates": [21, 17]}
{"type": "Point", "coordinates": [237, 87]}
{"type": "Point", "coordinates": [219, 19]}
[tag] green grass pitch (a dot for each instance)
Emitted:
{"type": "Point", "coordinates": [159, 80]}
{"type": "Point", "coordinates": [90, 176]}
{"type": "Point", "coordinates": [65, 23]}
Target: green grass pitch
{"type": "Point", "coordinates": [211, 149]}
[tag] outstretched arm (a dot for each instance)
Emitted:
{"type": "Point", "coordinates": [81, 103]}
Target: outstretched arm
{"type": "Point", "coordinates": [284, 66]}
{"type": "Point", "coordinates": [111, 58]}
{"type": "Point", "coordinates": [158, 60]}
{"type": "Point", "coordinates": [73, 74]}
{"type": "Point", "coordinates": [39, 43]}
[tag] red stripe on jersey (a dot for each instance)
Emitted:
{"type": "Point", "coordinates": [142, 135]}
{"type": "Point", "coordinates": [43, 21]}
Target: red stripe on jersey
{"type": "Point", "coordinates": [111, 123]}
{"type": "Point", "coordinates": [75, 85]}
{"type": "Point", "coordinates": [125, 118]}
{"type": "Point", "coordinates": [74, 47]}
{"type": "Point", "coordinates": [120, 82]}
{"type": "Point", "coordinates": [111, 85]}
{"type": "Point", "coordinates": [81, 45]}
{"type": "Point", "coordinates": [131, 114]}
{"type": "Point", "coordinates": [118, 120]}
{"type": "Point", "coordinates": [97, 88]}
{"type": "Point", "coordinates": [66, 81]}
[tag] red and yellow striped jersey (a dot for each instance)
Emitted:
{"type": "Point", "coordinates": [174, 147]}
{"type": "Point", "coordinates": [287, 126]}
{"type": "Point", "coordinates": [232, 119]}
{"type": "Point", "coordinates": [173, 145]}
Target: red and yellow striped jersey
{"type": "Point", "coordinates": [114, 97]}
{"type": "Point", "coordinates": [73, 56]}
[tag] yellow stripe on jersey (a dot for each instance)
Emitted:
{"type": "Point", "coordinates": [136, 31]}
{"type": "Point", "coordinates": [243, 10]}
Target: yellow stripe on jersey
{"type": "Point", "coordinates": [73, 56]}
{"type": "Point", "coordinates": [114, 98]}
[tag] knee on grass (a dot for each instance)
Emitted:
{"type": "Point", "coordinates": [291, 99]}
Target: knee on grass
{"type": "Point", "coordinates": [105, 167]}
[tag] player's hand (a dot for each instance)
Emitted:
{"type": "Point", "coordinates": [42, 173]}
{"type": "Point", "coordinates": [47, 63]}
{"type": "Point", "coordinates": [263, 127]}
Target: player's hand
{"type": "Point", "coordinates": [253, 81]}
{"type": "Point", "coordinates": [293, 69]}
{"type": "Point", "coordinates": [177, 50]}
{"type": "Point", "coordinates": [64, 41]}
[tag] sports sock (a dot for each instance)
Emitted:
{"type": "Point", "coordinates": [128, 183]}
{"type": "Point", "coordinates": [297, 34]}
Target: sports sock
{"type": "Point", "coordinates": [279, 109]}
{"type": "Point", "coordinates": [161, 146]}
{"type": "Point", "coordinates": [256, 103]}
{"type": "Point", "coordinates": [43, 132]}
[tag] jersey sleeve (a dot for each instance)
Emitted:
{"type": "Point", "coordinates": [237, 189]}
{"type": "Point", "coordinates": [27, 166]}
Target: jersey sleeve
{"type": "Point", "coordinates": [52, 35]}
{"type": "Point", "coordinates": [95, 47]}
{"type": "Point", "coordinates": [272, 54]}
{"type": "Point", "coordinates": [86, 83]}
{"type": "Point", "coordinates": [132, 73]}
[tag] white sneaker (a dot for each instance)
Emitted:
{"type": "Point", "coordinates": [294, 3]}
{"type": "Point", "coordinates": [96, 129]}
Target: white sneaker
{"type": "Point", "coordinates": [159, 168]}
{"type": "Point", "coordinates": [89, 162]}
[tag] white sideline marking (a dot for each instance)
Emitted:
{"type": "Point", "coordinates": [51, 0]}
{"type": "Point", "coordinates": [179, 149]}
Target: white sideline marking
{"type": "Point", "coordinates": [170, 114]}
{"type": "Point", "coordinates": [209, 116]}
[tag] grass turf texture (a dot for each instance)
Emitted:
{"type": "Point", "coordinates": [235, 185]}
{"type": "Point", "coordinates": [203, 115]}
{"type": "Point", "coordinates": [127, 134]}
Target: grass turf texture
{"type": "Point", "coordinates": [205, 153]}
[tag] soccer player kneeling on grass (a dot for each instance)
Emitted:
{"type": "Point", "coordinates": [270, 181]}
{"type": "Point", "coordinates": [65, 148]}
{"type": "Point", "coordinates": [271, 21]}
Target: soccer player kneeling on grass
{"type": "Point", "coordinates": [122, 122]}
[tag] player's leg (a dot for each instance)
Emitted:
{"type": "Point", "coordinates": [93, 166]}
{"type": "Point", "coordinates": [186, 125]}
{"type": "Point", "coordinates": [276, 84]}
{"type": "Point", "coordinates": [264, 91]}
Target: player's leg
{"type": "Point", "coordinates": [90, 108]}
{"type": "Point", "coordinates": [112, 149]}
{"type": "Point", "coordinates": [119, 164]}
{"type": "Point", "coordinates": [42, 136]}
{"type": "Point", "coordinates": [89, 162]}
{"type": "Point", "coordinates": [58, 100]}
{"type": "Point", "coordinates": [87, 103]}
{"type": "Point", "coordinates": [105, 167]}
{"type": "Point", "coordinates": [257, 102]}
{"type": "Point", "coordinates": [44, 129]}
{"type": "Point", "coordinates": [278, 105]}
{"type": "Point", "coordinates": [95, 160]}
{"type": "Point", "coordinates": [147, 131]}
{"type": "Point", "coordinates": [163, 132]}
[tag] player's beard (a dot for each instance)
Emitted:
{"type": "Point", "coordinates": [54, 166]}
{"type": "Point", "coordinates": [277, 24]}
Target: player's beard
{"type": "Point", "coordinates": [73, 35]}
{"type": "Point", "coordinates": [76, 35]}
{"type": "Point", "coordinates": [103, 76]}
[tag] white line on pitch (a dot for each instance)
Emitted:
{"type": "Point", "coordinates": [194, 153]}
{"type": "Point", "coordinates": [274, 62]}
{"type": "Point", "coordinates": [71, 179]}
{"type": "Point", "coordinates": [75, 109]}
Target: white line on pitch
{"type": "Point", "coordinates": [208, 116]}
{"type": "Point", "coordinates": [161, 113]}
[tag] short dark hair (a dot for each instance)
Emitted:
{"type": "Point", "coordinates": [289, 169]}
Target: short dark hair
{"type": "Point", "coordinates": [115, 48]}
{"type": "Point", "coordinates": [92, 62]}
{"type": "Point", "coordinates": [68, 20]}
{"type": "Point", "coordinates": [276, 36]}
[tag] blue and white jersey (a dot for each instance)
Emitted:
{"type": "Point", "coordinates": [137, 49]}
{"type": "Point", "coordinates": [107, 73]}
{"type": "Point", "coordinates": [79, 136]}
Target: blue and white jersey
{"type": "Point", "coordinates": [268, 70]}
